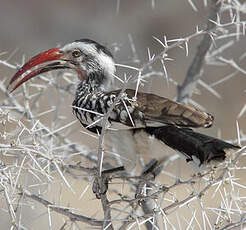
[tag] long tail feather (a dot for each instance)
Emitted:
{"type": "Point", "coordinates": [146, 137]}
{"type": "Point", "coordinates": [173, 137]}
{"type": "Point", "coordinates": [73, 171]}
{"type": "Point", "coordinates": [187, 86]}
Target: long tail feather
{"type": "Point", "coordinates": [192, 144]}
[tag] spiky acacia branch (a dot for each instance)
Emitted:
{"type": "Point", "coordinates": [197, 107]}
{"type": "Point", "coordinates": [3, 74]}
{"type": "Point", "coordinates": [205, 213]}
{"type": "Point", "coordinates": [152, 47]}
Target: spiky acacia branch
{"type": "Point", "coordinates": [186, 90]}
{"type": "Point", "coordinates": [134, 218]}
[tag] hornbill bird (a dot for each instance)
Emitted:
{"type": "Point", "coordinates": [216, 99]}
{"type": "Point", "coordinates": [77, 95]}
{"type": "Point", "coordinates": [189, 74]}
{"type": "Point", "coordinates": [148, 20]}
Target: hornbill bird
{"type": "Point", "coordinates": [167, 121]}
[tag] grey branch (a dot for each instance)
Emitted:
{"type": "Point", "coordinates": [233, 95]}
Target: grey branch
{"type": "Point", "coordinates": [63, 211]}
{"type": "Point", "coordinates": [186, 90]}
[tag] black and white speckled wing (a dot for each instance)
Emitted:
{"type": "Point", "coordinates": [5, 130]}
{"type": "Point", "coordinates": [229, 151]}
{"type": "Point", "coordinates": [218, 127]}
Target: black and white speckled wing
{"type": "Point", "coordinates": [90, 109]}
{"type": "Point", "coordinates": [147, 110]}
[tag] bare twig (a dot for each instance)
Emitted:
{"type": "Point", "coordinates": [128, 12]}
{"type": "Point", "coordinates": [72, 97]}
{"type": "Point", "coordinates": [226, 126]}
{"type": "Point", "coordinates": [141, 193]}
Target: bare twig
{"type": "Point", "coordinates": [39, 151]}
{"type": "Point", "coordinates": [185, 91]}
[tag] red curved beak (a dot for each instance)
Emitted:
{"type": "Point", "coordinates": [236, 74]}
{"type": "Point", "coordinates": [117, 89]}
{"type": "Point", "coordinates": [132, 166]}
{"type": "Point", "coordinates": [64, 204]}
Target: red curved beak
{"type": "Point", "coordinates": [46, 56]}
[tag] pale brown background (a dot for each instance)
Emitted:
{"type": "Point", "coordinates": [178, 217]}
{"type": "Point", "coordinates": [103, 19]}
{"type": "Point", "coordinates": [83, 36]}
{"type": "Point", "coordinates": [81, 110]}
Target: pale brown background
{"type": "Point", "coordinates": [32, 26]}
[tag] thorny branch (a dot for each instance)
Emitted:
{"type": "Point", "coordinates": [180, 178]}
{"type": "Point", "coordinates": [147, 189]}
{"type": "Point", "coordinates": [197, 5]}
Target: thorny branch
{"type": "Point", "coordinates": [159, 202]}
{"type": "Point", "coordinates": [186, 90]}
{"type": "Point", "coordinates": [64, 211]}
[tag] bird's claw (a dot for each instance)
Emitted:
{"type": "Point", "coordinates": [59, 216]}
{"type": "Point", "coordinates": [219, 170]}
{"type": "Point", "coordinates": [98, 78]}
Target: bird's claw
{"type": "Point", "coordinates": [100, 184]}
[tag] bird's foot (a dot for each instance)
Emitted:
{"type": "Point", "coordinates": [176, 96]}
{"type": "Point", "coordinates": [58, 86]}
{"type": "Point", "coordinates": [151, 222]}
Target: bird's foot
{"type": "Point", "coordinates": [100, 184]}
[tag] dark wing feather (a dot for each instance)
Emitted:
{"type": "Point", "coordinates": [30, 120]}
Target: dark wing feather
{"type": "Point", "coordinates": [163, 110]}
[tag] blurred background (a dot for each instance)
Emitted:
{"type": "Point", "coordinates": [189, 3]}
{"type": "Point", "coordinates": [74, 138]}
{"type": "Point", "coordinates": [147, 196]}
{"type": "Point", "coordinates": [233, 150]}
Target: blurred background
{"type": "Point", "coordinates": [28, 27]}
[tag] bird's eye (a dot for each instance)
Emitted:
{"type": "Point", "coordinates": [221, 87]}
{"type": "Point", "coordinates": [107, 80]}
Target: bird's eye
{"type": "Point", "coordinates": [76, 53]}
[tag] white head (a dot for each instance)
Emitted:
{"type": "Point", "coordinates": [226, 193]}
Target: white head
{"type": "Point", "coordinates": [93, 62]}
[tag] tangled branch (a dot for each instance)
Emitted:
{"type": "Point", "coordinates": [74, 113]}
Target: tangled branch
{"type": "Point", "coordinates": [35, 155]}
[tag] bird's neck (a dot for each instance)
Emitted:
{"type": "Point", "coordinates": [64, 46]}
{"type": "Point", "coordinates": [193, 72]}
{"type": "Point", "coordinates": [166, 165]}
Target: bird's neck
{"type": "Point", "coordinates": [84, 88]}
{"type": "Point", "coordinates": [94, 83]}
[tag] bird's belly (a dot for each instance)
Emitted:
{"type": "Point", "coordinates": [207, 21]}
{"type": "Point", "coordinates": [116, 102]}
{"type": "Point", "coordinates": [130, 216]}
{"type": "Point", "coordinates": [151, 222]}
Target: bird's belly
{"type": "Point", "coordinates": [128, 145]}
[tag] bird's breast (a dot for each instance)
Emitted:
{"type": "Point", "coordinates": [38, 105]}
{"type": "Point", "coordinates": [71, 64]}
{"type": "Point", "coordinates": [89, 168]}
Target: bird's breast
{"type": "Point", "coordinates": [90, 109]}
